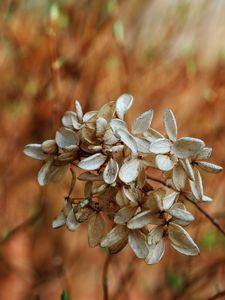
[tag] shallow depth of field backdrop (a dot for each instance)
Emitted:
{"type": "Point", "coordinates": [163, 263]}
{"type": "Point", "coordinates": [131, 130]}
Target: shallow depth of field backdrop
{"type": "Point", "coordinates": [167, 54]}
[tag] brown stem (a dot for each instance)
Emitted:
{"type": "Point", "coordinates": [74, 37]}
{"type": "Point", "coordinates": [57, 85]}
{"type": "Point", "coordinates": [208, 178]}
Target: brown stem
{"type": "Point", "coordinates": [213, 221]}
{"type": "Point", "coordinates": [105, 277]}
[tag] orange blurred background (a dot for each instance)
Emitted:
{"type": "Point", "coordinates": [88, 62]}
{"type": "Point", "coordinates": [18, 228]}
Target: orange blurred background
{"type": "Point", "coordinates": [167, 54]}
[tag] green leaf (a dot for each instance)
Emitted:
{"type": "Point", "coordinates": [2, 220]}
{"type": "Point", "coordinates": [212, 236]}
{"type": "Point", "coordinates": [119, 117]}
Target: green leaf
{"type": "Point", "coordinates": [64, 295]}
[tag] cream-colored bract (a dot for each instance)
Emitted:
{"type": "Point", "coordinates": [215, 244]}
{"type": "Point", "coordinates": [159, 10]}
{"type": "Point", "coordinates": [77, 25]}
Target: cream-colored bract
{"type": "Point", "coordinates": [121, 204]}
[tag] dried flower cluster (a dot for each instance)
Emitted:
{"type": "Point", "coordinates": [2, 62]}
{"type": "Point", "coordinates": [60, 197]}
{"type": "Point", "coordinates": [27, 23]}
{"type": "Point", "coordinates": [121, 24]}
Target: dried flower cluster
{"type": "Point", "coordinates": [120, 203]}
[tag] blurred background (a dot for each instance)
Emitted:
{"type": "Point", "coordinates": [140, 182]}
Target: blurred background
{"type": "Point", "coordinates": [167, 54]}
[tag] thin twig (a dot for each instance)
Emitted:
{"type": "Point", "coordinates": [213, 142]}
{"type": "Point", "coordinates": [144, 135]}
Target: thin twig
{"type": "Point", "coordinates": [213, 221]}
{"type": "Point", "coordinates": [29, 222]}
{"type": "Point", "coordinates": [105, 282]}
{"type": "Point", "coordinates": [217, 295]}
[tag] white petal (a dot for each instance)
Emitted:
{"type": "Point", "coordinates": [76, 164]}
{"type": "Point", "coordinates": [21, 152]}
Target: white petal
{"type": "Point", "coordinates": [164, 162]}
{"type": "Point", "coordinates": [116, 124]}
{"type": "Point", "coordinates": [181, 214]}
{"type": "Point", "coordinates": [130, 170]}
{"type": "Point", "coordinates": [170, 125]}
{"type": "Point", "coordinates": [59, 221]}
{"type": "Point", "coordinates": [124, 214]}
{"type": "Point", "coordinates": [160, 146]}
{"type": "Point", "coordinates": [143, 145]}
{"type": "Point", "coordinates": [181, 240]}
{"type": "Point", "coordinates": [155, 235]}
{"type": "Point", "coordinates": [128, 140]}
{"type": "Point", "coordinates": [138, 244]}
{"type": "Point", "coordinates": [67, 118]}
{"type": "Point", "coordinates": [142, 219]}
{"type": "Point", "coordinates": [117, 234]}
{"type": "Point", "coordinates": [43, 174]}
{"type": "Point", "coordinates": [107, 111]}
{"type": "Point", "coordinates": [187, 168]}
{"type": "Point", "coordinates": [101, 125]}
{"type": "Point", "coordinates": [71, 222]}
{"type": "Point", "coordinates": [92, 162]}
{"type": "Point", "coordinates": [89, 115]}
{"type": "Point", "coordinates": [142, 123]}
{"type": "Point", "coordinates": [179, 177]}
{"type": "Point", "coordinates": [123, 104]}
{"type": "Point", "coordinates": [79, 111]}
{"type": "Point", "coordinates": [109, 137]}
{"type": "Point", "coordinates": [57, 173]}
{"type": "Point", "coordinates": [155, 253]}
{"type": "Point", "coordinates": [111, 171]}
{"type": "Point", "coordinates": [66, 137]}
{"type": "Point", "coordinates": [96, 229]}
{"type": "Point", "coordinates": [187, 146]}
{"type": "Point", "coordinates": [209, 167]}
{"type": "Point", "coordinates": [196, 185]}
{"type": "Point", "coordinates": [204, 153]}
{"type": "Point", "coordinates": [35, 151]}
{"type": "Point", "coordinates": [152, 135]}
{"type": "Point", "coordinates": [169, 200]}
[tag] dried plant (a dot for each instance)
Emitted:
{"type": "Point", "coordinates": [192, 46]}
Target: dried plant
{"type": "Point", "coordinates": [121, 204]}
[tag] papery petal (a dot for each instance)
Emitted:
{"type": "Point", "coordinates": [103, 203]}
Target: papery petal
{"type": "Point", "coordinates": [35, 151]}
{"type": "Point", "coordinates": [143, 145]}
{"type": "Point", "coordinates": [116, 124]}
{"type": "Point", "coordinates": [142, 123]}
{"type": "Point", "coordinates": [181, 240]}
{"type": "Point", "coordinates": [186, 147]}
{"type": "Point", "coordinates": [179, 177]}
{"type": "Point", "coordinates": [107, 111]}
{"type": "Point", "coordinates": [164, 162]}
{"type": "Point", "coordinates": [155, 235]}
{"type": "Point", "coordinates": [142, 219]}
{"type": "Point", "coordinates": [155, 253]}
{"type": "Point", "coordinates": [92, 162]}
{"type": "Point", "coordinates": [170, 125]}
{"type": "Point", "coordinates": [43, 174]}
{"type": "Point", "coordinates": [117, 234]}
{"type": "Point", "coordinates": [160, 146]}
{"type": "Point", "coordinates": [71, 221]}
{"type": "Point", "coordinates": [79, 111]}
{"type": "Point", "coordinates": [129, 170]}
{"type": "Point", "coordinates": [96, 229]}
{"type": "Point", "coordinates": [124, 214]}
{"type": "Point", "coordinates": [196, 185]}
{"type": "Point", "coordinates": [187, 168]}
{"type": "Point", "coordinates": [111, 171]}
{"type": "Point", "coordinates": [137, 243]}
{"type": "Point", "coordinates": [123, 104]}
{"type": "Point", "coordinates": [152, 135]}
{"type": "Point", "coordinates": [128, 140]}
{"type": "Point", "coordinates": [169, 200]}
{"type": "Point", "coordinates": [204, 153]}
{"type": "Point", "coordinates": [101, 126]}
{"type": "Point", "coordinates": [209, 167]}
{"type": "Point", "coordinates": [66, 137]}
{"type": "Point", "coordinates": [59, 221]}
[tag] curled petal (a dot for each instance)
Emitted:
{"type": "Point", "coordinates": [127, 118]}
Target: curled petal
{"type": "Point", "coordinates": [160, 146]}
{"type": "Point", "coordinates": [123, 104]}
{"type": "Point", "coordinates": [181, 240]}
{"type": "Point", "coordinates": [92, 162]}
{"type": "Point", "coordinates": [170, 125]}
{"type": "Point", "coordinates": [187, 147]}
{"type": "Point", "coordinates": [142, 123]}
{"type": "Point", "coordinates": [164, 162]}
